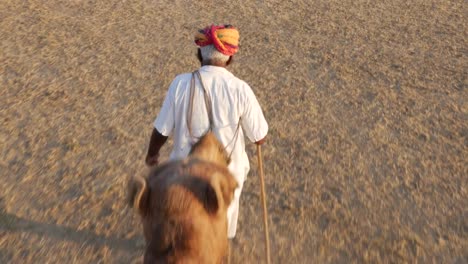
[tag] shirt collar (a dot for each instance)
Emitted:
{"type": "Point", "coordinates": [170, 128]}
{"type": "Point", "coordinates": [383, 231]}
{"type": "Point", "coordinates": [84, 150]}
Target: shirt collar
{"type": "Point", "coordinates": [211, 68]}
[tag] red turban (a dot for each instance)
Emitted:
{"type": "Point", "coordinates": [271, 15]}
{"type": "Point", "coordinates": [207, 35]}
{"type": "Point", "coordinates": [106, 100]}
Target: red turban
{"type": "Point", "coordinates": [224, 38]}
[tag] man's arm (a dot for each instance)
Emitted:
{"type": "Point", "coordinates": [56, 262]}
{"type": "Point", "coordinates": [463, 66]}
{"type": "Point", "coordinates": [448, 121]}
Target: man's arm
{"type": "Point", "coordinates": [162, 126]}
{"type": "Point", "coordinates": [156, 142]}
{"type": "Point", "coordinates": [253, 120]}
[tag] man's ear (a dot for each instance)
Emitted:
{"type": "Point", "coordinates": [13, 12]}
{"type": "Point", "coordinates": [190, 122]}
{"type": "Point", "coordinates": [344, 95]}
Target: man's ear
{"type": "Point", "coordinates": [229, 60]}
{"type": "Point", "coordinates": [138, 194]}
{"type": "Point", "coordinates": [199, 56]}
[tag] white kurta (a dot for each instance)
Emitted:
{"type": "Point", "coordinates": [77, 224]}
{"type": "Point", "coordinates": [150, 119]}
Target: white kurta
{"type": "Point", "coordinates": [232, 100]}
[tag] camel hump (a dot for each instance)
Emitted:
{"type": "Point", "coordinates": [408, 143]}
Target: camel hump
{"type": "Point", "coordinates": [209, 148]}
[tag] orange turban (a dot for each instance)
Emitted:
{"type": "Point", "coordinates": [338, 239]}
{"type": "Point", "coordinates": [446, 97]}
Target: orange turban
{"type": "Point", "coordinates": [224, 38]}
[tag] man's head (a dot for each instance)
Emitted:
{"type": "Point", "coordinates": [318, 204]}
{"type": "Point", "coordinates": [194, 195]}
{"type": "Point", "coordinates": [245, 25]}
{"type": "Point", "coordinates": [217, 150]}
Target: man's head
{"type": "Point", "coordinates": [209, 55]}
{"type": "Point", "coordinates": [217, 44]}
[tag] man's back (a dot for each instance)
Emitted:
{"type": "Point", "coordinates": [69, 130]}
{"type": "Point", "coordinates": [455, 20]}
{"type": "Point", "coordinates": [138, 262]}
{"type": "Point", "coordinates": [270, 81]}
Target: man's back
{"type": "Point", "coordinates": [234, 109]}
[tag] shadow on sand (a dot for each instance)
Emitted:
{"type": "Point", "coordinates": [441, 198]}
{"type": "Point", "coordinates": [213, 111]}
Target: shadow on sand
{"type": "Point", "coordinates": [12, 223]}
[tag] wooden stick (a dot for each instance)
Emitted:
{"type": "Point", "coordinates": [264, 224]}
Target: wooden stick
{"type": "Point", "coordinates": [265, 211]}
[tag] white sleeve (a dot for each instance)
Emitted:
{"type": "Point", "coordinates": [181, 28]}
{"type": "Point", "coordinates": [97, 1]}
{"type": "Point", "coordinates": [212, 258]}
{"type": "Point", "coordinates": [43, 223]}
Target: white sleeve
{"type": "Point", "coordinates": [165, 121]}
{"type": "Point", "coordinates": [253, 121]}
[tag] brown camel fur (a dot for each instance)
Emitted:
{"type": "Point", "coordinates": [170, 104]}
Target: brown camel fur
{"type": "Point", "coordinates": [183, 206]}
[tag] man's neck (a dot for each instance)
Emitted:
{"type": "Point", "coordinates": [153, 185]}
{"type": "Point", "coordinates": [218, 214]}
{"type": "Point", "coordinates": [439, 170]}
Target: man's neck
{"type": "Point", "coordinates": [209, 63]}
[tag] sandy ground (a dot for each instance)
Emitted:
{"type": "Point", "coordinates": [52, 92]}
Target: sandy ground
{"type": "Point", "coordinates": [367, 104]}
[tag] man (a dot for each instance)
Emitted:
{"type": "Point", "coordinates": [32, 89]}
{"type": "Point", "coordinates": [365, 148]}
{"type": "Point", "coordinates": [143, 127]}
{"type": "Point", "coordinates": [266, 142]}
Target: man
{"type": "Point", "coordinates": [213, 99]}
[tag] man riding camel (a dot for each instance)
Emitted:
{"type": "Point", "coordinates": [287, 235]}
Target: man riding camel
{"type": "Point", "coordinates": [211, 99]}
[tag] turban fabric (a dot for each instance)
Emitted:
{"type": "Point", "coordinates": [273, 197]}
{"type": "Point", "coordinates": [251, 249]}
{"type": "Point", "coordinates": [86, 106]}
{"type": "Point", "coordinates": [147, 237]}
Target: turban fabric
{"type": "Point", "coordinates": [224, 38]}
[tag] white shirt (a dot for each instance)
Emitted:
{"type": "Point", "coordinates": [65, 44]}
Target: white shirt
{"type": "Point", "coordinates": [232, 100]}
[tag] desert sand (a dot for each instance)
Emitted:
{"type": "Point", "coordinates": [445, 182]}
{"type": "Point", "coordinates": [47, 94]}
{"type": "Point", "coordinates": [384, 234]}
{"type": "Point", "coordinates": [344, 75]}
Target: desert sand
{"type": "Point", "coordinates": [367, 102]}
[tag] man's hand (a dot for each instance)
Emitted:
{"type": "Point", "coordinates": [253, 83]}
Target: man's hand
{"type": "Point", "coordinates": [261, 141]}
{"type": "Point", "coordinates": [156, 142]}
{"type": "Point", "coordinates": [152, 160]}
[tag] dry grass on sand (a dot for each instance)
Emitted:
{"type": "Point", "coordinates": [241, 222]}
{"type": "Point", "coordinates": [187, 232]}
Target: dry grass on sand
{"type": "Point", "coordinates": [367, 104]}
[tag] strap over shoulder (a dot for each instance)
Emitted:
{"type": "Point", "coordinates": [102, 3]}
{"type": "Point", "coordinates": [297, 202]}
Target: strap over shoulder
{"type": "Point", "coordinates": [208, 104]}
{"type": "Point", "coordinates": [196, 74]}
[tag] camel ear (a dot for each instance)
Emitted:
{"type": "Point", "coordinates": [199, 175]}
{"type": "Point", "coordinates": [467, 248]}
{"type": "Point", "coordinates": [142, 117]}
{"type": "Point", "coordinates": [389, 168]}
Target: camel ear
{"type": "Point", "coordinates": [228, 186]}
{"type": "Point", "coordinates": [138, 194]}
{"type": "Point", "coordinates": [211, 202]}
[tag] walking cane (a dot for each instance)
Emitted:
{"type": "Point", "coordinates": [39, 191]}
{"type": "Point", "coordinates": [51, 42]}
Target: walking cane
{"type": "Point", "coordinates": [265, 212]}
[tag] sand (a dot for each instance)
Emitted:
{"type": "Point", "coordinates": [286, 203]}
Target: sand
{"type": "Point", "coordinates": [366, 159]}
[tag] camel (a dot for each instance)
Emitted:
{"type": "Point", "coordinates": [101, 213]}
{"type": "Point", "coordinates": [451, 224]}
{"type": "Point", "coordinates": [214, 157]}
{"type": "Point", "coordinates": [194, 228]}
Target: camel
{"type": "Point", "coordinates": [183, 206]}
